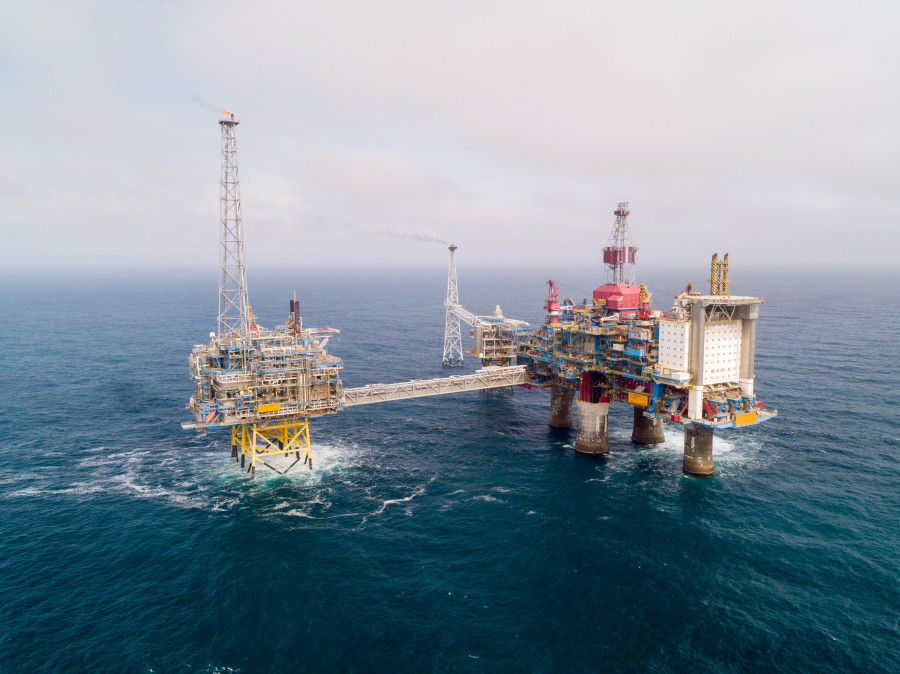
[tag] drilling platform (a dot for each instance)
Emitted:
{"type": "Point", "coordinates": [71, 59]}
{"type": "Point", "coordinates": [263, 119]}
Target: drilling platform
{"type": "Point", "coordinates": [692, 365]}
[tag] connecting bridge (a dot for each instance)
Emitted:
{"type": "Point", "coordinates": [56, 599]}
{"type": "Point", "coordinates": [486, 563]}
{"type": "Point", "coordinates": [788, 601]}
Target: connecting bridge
{"type": "Point", "coordinates": [486, 378]}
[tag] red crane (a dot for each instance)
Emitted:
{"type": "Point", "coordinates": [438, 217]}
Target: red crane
{"type": "Point", "coordinates": [552, 303]}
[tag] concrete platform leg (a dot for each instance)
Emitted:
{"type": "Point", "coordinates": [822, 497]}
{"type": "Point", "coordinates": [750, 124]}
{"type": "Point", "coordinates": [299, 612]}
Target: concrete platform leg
{"type": "Point", "coordinates": [698, 442]}
{"type": "Point", "coordinates": [561, 407]}
{"type": "Point", "coordinates": [592, 428]}
{"type": "Point", "coordinates": [646, 431]}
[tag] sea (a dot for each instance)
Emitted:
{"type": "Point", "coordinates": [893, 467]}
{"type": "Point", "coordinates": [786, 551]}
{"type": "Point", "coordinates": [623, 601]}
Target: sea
{"type": "Point", "coordinates": [456, 533]}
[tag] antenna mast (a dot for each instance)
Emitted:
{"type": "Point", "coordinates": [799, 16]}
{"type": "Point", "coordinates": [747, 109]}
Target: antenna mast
{"type": "Point", "coordinates": [234, 315]}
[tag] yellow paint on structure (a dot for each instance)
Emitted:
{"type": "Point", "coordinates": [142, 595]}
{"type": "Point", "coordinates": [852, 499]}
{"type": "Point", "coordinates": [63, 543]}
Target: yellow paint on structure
{"type": "Point", "coordinates": [638, 399]}
{"type": "Point", "coordinates": [744, 418]}
{"type": "Point", "coordinates": [260, 441]}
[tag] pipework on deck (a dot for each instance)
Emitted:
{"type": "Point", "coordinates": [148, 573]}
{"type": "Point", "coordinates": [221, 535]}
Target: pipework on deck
{"type": "Point", "coordinates": [692, 365]}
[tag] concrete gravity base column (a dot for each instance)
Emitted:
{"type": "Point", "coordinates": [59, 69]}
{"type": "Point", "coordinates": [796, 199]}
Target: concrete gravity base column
{"type": "Point", "coordinates": [561, 407]}
{"type": "Point", "coordinates": [646, 430]}
{"type": "Point", "coordinates": [592, 427]}
{"type": "Point", "coordinates": [698, 442]}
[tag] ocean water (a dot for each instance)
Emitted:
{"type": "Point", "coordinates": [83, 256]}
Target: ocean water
{"type": "Point", "coordinates": [456, 533]}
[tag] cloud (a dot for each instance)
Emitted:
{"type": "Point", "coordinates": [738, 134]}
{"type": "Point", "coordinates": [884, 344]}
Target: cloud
{"type": "Point", "coordinates": [511, 128]}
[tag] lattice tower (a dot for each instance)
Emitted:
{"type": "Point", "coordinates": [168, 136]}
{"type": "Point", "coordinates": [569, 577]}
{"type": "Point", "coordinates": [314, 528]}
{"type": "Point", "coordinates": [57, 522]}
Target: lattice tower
{"type": "Point", "coordinates": [234, 316]}
{"type": "Point", "coordinates": [619, 253]}
{"type": "Point", "coordinates": [453, 354]}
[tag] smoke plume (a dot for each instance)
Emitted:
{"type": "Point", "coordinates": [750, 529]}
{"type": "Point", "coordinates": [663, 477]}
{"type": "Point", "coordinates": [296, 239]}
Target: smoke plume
{"type": "Point", "coordinates": [206, 105]}
{"type": "Point", "coordinates": [398, 234]}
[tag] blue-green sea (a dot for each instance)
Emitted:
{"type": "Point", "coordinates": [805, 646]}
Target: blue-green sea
{"type": "Point", "coordinates": [455, 533]}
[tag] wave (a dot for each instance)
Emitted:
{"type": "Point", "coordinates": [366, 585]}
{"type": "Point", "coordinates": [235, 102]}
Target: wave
{"type": "Point", "coordinates": [487, 498]}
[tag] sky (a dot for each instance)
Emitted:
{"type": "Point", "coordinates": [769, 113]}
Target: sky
{"type": "Point", "coordinates": [768, 130]}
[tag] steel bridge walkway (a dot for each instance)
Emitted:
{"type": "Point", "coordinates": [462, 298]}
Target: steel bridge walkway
{"type": "Point", "coordinates": [485, 378]}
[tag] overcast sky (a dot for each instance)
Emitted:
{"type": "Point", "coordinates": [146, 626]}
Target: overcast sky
{"type": "Point", "coordinates": [770, 130]}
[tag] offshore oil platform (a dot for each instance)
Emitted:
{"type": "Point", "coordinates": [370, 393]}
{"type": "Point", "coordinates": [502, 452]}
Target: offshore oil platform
{"type": "Point", "coordinates": [692, 365]}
